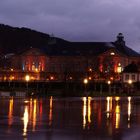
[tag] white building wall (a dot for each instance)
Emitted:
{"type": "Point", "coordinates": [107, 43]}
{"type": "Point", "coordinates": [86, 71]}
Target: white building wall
{"type": "Point", "coordinates": [134, 77]}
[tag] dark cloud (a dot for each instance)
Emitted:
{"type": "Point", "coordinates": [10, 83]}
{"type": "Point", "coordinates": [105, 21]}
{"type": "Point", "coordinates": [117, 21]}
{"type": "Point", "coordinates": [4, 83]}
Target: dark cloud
{"type": "Point", "coordinates": [76, 20]}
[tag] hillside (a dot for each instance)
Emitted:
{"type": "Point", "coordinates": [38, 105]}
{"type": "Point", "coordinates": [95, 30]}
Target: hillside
{"type": "Point", "coordinates": [14, 39]}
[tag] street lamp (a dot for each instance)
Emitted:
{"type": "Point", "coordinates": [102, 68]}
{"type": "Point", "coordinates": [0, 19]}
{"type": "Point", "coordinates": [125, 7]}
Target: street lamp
{"type": "Point", "coordinates": [129, 82]}
{"type": "Point", "coordinates": [109, 86]}
{"type": "Point", "coordinates": [85, 81]}
{"type": "Point", "coordinates": [119, 70]}
{"type": "Point", "coordinates": [27, 78]}
{"type": "Point", "coordinates": [129, 85]}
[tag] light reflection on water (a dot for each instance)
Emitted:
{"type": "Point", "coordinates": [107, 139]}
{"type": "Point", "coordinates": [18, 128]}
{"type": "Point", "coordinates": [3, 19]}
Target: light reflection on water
{"type": "Point", "coordinates": [10, 114]}
{"type": "Point", "coordinates": [86, 112]}
{"type": "Point", "coordinates": [50, 111]}
{"type": "Point", "coordinates": [25, 121]}
{"type": "Point", "coordinates": [102, 117]}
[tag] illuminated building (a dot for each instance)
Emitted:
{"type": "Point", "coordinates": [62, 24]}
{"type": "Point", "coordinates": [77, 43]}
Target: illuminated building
{"type": "Point", "coordinates": [131, 74]}
{"type": "Point", "coordinates": [60, 60]}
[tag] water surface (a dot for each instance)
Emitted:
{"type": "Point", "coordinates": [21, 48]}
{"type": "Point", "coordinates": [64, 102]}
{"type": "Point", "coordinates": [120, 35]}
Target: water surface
{"type": "Point", "coordinates": [109, 118]}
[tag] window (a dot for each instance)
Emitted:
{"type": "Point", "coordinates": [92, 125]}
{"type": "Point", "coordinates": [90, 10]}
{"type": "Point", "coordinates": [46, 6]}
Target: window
{"type": "Point", "coordinates": [40, 66]}
{"type": "Point", "coordinates": [26, 67]}
{"type": "Point", "coordinates": [33, 67]}
{"type": "Point", "coordinates": [127, 77]}
{"type": "Point", "coordinates": [133, 77]}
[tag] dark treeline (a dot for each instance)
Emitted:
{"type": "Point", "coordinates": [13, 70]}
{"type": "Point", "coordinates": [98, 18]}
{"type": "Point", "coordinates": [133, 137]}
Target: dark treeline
{"type": "Point", "coordinates": [13, 39]}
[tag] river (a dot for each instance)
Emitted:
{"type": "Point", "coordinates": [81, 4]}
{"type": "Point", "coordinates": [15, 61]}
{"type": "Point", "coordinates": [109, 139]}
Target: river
{"type": "Point", "coordinates": [84, 118]}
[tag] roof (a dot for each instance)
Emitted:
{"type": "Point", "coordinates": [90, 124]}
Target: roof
{"type": "Point", "coordinates": [86, 48]}
{"type": "Point", "coordinates": [78, 48]}
{"type": "Point", "coordinates": [126, 50]}
{"type": "Point", "coordinates": [131, 68]}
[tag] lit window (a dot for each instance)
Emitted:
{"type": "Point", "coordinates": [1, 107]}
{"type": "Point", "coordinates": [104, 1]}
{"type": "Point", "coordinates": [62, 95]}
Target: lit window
{"type": "Point", "coordinates": [33, 67]}
{"type": "Point", "coordinates": [112, 53]}
{"type": "Point", "coordinates": [119, 68]}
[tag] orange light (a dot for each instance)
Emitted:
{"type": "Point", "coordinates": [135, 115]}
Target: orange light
{"type": "Point", "coordinates": [52, 78]}
{"type": "Point", "coordinates": [70, 78]}
{"type": "Point", "coordinates": [10, 114]}
{"type": "Point", "coordinates": [11, 78]}
{"type": "Point", "coordinates": [27, 78]}
{"type": "Point", "coordinates": [111, 78]}
{"type": "Point", "coordinates": [90, 69]}
{"type": "Point", "coordinates": [36, 70]}
{"type": "Point", "coordinates": [89, 78]}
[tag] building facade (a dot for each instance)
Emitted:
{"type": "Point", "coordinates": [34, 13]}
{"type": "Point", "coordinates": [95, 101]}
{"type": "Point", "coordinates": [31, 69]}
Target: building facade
{"type": "Point", "coordinates": [72, 62]}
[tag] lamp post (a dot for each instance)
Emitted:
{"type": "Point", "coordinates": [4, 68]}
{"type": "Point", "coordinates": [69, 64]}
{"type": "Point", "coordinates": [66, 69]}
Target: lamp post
{"type": "Point", "coordinates": [129, 85]}
{"type": "Point", "coordinates": [27, 78]}
{"type": "Point", "coordinates": [85, 81]}
{"type": "Point", "coordinates": [109, 86]}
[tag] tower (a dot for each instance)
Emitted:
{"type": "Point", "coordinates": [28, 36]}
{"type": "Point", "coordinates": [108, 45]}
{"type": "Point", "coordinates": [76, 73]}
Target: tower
{"type": "Point", "coordinates": [120, 40]}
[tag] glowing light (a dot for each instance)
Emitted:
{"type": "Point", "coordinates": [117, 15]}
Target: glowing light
{"type": "Point", "coordinates": [12, 69]}
{"type": "Point", "coordinates": [117, 98]}
{"type": "Point", "coordinates": [70, 78]}
{"type": "Point", "coordinates": [89, 78]}
{"type": "Point", "coordinates": [31, 108]}
{"type": "Point", "coordinates": [109, 106]}
{"type": "Point", "coordinates": [26, 101]}
{"type": "Point", "coordinates": [36, 69]}
{"type": "Point", "coordinates": [130, 82]}
{"type": "Point", "coordinates": [101, 68]}
{"type": "Point", "coordinates": [32, 78]}
{"type": "Point", "coordinates": [90, 69]}
{"type": "Point", "coordinates": [84, 111]}
{"type": "Point", "coordinates": [52, 77]}
{"type": "Point", "coordinates": [111, 78]}
{"type": "Point", "coordinates": [27, 78]}
{"type": "Point", "coordinates": [34, 114]}
{"type": "Point", "coordinates": [5, 78]}
{"type": "Point", "coordinates": [108, 82]}
{"type": "Point", "coordinates": [117, 111]}
{"type": "Point", "coordinates": [112, 53]}
{"type": "Point", "coordinates": [119, 68]}
{"type": "Point", "coordinates": [25, 121]}
{"type": "Point", "coordinates": [85, 81]}
{"type": "Point", "coordinates": [89, 110]}
{"type": "Point", "coordinates": [11, 78]}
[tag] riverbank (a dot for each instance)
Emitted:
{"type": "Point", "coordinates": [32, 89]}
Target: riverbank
{"type": "Point", "coordinates": [67, 89]}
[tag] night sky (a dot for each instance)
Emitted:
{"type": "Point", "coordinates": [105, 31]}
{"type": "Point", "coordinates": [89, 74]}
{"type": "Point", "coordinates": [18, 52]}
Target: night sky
{"type": "Point", "coordinates": [77, 20]}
